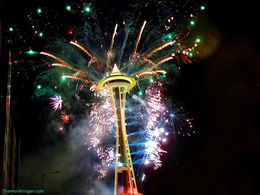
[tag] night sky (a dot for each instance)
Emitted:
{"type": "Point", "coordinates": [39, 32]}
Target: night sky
{"type": "Point", "coordinates": [222, 93]}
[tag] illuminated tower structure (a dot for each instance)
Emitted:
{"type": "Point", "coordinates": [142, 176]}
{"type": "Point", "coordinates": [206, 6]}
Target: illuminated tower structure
{"type": "Point", "coordinates": [119, 84]}
{"type": "Point", "coordinates": [9, 177]}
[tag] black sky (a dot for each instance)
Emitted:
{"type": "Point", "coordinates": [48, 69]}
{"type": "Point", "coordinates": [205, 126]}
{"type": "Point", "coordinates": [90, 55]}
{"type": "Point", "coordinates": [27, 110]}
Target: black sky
{"type": "Point", "coordinates": [222, 91]}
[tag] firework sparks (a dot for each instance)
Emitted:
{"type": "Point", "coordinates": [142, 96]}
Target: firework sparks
{"type": "Point", "coordinates": [180, 122]}
{"type": "Point", "coordinates": [102, 111]}
{"type": "Point", "coordinates": [156, 111]}
{"type": "Point", "coordinates": [56, 102]}
{"type": "Point", "coordinates": [148, 65]}
{"type": "Point", "coordinates": [65, 118]}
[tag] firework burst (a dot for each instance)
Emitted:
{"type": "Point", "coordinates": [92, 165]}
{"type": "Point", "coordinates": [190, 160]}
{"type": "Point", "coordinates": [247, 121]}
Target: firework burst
{"type": "Point", "coordinates": [56, 102]}
{"type": "Point", "coordinates": [65, 118]}
{"type": "Point", "coordinates": [144, 47]}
